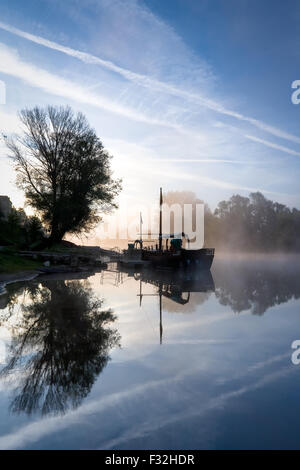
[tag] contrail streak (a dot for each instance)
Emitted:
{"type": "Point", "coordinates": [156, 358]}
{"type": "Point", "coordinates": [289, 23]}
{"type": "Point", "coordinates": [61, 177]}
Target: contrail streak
{"type": "Point", "coordinates": [149, 82]}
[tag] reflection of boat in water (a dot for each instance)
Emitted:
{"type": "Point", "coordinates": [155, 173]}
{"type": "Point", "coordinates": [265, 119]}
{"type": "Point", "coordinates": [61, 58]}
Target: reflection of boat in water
{"type": "Point", "coordinates": [175, 285]}
{"type": "Point", "coordinates": [173, 254]}
{"type": "Point", "coordinates": [179, 281]}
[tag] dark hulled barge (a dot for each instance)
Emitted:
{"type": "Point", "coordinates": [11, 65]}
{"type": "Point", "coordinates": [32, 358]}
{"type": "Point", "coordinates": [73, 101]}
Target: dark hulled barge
{"type": "Point", "coordinates": [182, 258]}
{"type": "Point", "coordinates": [176, 256]}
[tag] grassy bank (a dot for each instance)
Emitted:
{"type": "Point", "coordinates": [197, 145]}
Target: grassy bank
{"type": "Point", "coordinates": [10, 263]}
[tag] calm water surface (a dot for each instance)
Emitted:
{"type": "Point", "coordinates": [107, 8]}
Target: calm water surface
{"type": "Point", "coordinates": [153, 360]}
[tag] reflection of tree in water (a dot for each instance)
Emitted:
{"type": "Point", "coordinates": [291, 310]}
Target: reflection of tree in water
{"type": "Point", "coordinates": [9, 299]}
{"type": "Point", "coordinates": [60, 345]}
{"type": "Point", "coordinates": [256, 286]}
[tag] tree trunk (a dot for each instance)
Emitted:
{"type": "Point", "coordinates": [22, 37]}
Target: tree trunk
{"type": "Point", "coordinates": [56, 234]}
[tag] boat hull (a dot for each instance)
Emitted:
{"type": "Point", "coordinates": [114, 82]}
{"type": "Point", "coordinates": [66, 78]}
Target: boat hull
{"type": "Point", "coordinates": [202, 258]}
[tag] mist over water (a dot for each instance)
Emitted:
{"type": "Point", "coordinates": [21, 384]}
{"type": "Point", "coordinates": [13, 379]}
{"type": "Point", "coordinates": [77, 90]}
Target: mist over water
{"type": "Point", "coordinates": [153, 359]}
{"type": "Point", "coordinates": [239, 225]}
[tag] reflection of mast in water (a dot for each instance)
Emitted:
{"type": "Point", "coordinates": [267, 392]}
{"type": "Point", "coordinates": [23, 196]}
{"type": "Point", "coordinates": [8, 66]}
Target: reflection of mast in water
{"type": "Point", "coordinates": [160, 293]}
{"type": "Point", "coordinates": [174, 286]}
{"type": "Point", "coordinates": [160, 315]}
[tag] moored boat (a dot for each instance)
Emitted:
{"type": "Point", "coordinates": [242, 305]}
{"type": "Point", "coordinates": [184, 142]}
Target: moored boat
{"type": "Point", "coordinates": [176, 256]}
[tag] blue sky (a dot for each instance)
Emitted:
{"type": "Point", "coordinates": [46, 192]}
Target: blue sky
{"type": "Point", "coordinates": [185, 94]}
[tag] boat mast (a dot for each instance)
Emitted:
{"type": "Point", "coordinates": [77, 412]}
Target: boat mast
{"type": "Point", "coordinates": [141, 234]}
{"type": "Point", "coordinates": [160, 221]}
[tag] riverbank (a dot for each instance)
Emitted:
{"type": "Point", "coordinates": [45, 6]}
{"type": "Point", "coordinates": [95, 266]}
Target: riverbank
{"type": "Point", "coordinates": [14, 268]}
{"type": "Point", "coordinates": [11, 263]}
{"type": "Point", "coordinates": [17, 276]}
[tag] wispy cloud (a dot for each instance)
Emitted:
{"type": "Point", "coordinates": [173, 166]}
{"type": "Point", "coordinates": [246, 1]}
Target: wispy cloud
{"type": "Point", "coordinates": [162, 97]}
{"type": "Point", "coordinates": [154, 166]}
{"type": "Point", "coordinates": [12, 64]}
{"type": "Point", "coordinates": [152, 83]}
{"type": "Point", "coordinates": [154, 424]}
{"type": "Point", "coordinates": [204, 160]}
{"type": "Point", "coordinates": [264, 142]}
{"type": "Point", "coordinates": [32, 432]}
{"type": "Point", "coordinates": [272, 145]}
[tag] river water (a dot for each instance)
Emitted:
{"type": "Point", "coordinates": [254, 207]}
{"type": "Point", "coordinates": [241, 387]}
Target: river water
{"type": "Point", "coordinates": [153, 360]}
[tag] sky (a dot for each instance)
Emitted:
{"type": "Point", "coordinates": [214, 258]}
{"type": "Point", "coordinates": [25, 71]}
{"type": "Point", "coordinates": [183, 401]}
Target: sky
{"type": "Point", "coordinates": [184, 94]}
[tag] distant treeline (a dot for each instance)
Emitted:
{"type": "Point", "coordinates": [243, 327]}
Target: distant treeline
{"type": "Point", "coordinates": [252, 223]}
